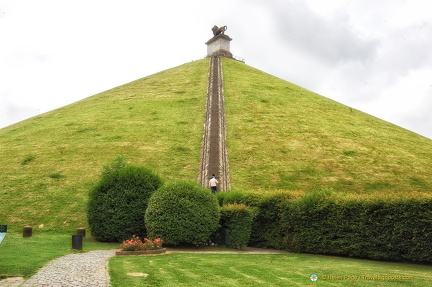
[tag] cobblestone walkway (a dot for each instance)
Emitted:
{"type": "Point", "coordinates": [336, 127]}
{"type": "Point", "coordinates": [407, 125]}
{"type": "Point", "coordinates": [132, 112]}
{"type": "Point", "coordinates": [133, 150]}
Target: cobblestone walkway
{"type": "Point", "coordinates": [78, 270]}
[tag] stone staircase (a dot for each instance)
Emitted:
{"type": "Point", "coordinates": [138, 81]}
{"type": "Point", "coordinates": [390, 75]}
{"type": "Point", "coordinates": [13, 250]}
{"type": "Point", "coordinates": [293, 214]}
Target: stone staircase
{"type": "Point", "coordinates": [214, 156]}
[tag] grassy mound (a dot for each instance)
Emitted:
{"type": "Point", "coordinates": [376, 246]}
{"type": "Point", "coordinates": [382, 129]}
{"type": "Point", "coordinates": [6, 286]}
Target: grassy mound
{"type": "Point", "coordinates": [280, 136]}
{"type": "Point", "coordinates": [50, 162]}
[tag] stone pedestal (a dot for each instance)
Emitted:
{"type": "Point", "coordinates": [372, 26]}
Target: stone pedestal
{"type": "Point", "coordinates": [219, 46]}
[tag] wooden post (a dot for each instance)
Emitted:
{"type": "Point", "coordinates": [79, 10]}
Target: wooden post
{"type": "Point", "coordinates": [27, 231]}
{"type": "Point", "coordinates": [81, 231]}
{"type": "Point", "coordinates": [77, 242]}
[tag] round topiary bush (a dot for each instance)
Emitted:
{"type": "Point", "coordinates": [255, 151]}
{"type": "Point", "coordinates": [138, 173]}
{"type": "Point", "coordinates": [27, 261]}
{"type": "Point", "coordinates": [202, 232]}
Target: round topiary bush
{"type": "Point", "coordinates": [118, 203]}
{"type": "Point", "coordinates": [182, 213]}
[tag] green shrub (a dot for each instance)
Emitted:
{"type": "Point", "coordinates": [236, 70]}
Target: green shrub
{"type": "Point", "coordinates": [266, 231]}
{"type": "Point", "coordinates": [236, 196]}
{"type": "Point", "coordinates": [182, 213]}
{"type": "Point", "coordinates": [326, 222]}
{"type": "Point", "coordinates": [117, 204]}
{"type": "Point", "coordinates": [230, 196]}
{"type": "Point", "coordinates": [236, 224]}
{"type": "Point", "coordinates": [115, 165]}
{"type": "Point", "coordinates": [394, 230]}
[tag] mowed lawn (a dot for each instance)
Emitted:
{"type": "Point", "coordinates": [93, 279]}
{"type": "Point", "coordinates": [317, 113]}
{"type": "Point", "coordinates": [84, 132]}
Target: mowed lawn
{"type": "Point", "coordinates": [192, 269]}
{"type": "Point", "coordinates": [25, 256]}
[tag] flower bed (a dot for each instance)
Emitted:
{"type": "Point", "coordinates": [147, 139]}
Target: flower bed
{"type": "Point", "coordinates": [136, 246]}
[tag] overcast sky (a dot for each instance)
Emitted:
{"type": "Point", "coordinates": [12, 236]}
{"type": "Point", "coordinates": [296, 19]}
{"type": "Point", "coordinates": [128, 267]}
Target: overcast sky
{"type": "Point", "coordinates": [372, 55]}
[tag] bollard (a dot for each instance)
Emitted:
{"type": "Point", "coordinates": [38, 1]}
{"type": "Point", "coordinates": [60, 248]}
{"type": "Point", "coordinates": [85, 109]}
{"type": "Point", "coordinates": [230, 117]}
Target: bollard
{"type": "Point", "coordinates": [77, 242]}
{"type": "Point", "coordinates": [27, 231]}
{"type": "Point", "coordinates": [81, 231]}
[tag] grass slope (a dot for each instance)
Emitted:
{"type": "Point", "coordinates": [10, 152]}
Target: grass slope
{"type": "Point", "coordinates": [283, 136]}
{"type": "Point", "coordinates": [280, 136]}
{"type": "Point", "coordinates": [49, 163]}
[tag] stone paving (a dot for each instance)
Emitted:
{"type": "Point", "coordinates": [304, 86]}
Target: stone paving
{"type": "Point", "coordinates": [77, 270]}
{"type": "Point", "coordinates": [12, 282]}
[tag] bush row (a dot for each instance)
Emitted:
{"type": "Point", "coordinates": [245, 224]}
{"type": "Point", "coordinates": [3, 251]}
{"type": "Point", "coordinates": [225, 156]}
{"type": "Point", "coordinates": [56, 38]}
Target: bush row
{"type": "Point", "coordinates": [236, 225]}
{"type": "Point", "coordinates": [394, 229]}
{"type": "Point", "coordinates": [398, 229]}
{"type": "Point", "coordinates": [130, 200]}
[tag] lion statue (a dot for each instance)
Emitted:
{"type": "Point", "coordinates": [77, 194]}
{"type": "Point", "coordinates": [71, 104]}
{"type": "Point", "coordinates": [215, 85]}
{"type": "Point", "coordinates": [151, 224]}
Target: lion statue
{"type": "Point", "coordinates": [218, 30]}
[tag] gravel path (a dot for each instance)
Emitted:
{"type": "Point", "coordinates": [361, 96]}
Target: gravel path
{"type": "Point", "coordinates": [77, 270]}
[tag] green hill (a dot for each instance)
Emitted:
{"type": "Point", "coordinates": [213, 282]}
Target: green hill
{"type": "Point", "coordinates": [50, 162]}
{"type": "Point", "coordinates": [280, 136]}
{"type": "Point", "coordinates": [283, 136]}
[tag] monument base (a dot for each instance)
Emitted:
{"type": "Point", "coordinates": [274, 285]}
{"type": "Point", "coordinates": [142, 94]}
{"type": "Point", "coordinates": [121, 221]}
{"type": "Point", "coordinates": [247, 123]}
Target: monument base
{"type": "Point", "coordinates": [221, 53]}
{"type": "Point", "coordinates": [219, 46]}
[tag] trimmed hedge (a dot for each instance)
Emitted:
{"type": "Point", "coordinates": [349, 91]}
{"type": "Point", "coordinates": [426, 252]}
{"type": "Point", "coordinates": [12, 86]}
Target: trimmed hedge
{"type": "Point", "coordinates": [266, 231]}
{"type": "Point", "coordinates": [117, 204]}
{"type": "Point", "coordinates": [236, 222]}
{"type": "Point", "coordinates": [182, 213]}
{"type": "Point", "coordinates": [393, 230]}
{"type": "Point", "coordinates": [231, 196]}
{"type": "Point", "coordinates": [324, 222]}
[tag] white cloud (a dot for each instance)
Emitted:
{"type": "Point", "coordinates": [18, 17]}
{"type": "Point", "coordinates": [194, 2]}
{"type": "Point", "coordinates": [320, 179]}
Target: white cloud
{"type": "Point", "coordinates": [408, 100]}
{"type": "Point", "coordinates": [372, 55]}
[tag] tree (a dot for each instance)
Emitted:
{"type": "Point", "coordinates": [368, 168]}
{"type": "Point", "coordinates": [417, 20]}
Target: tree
{"type": "Point", "coordinates": [118, 203]}
{"type": "Point", "coordinates": [182, 213]}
